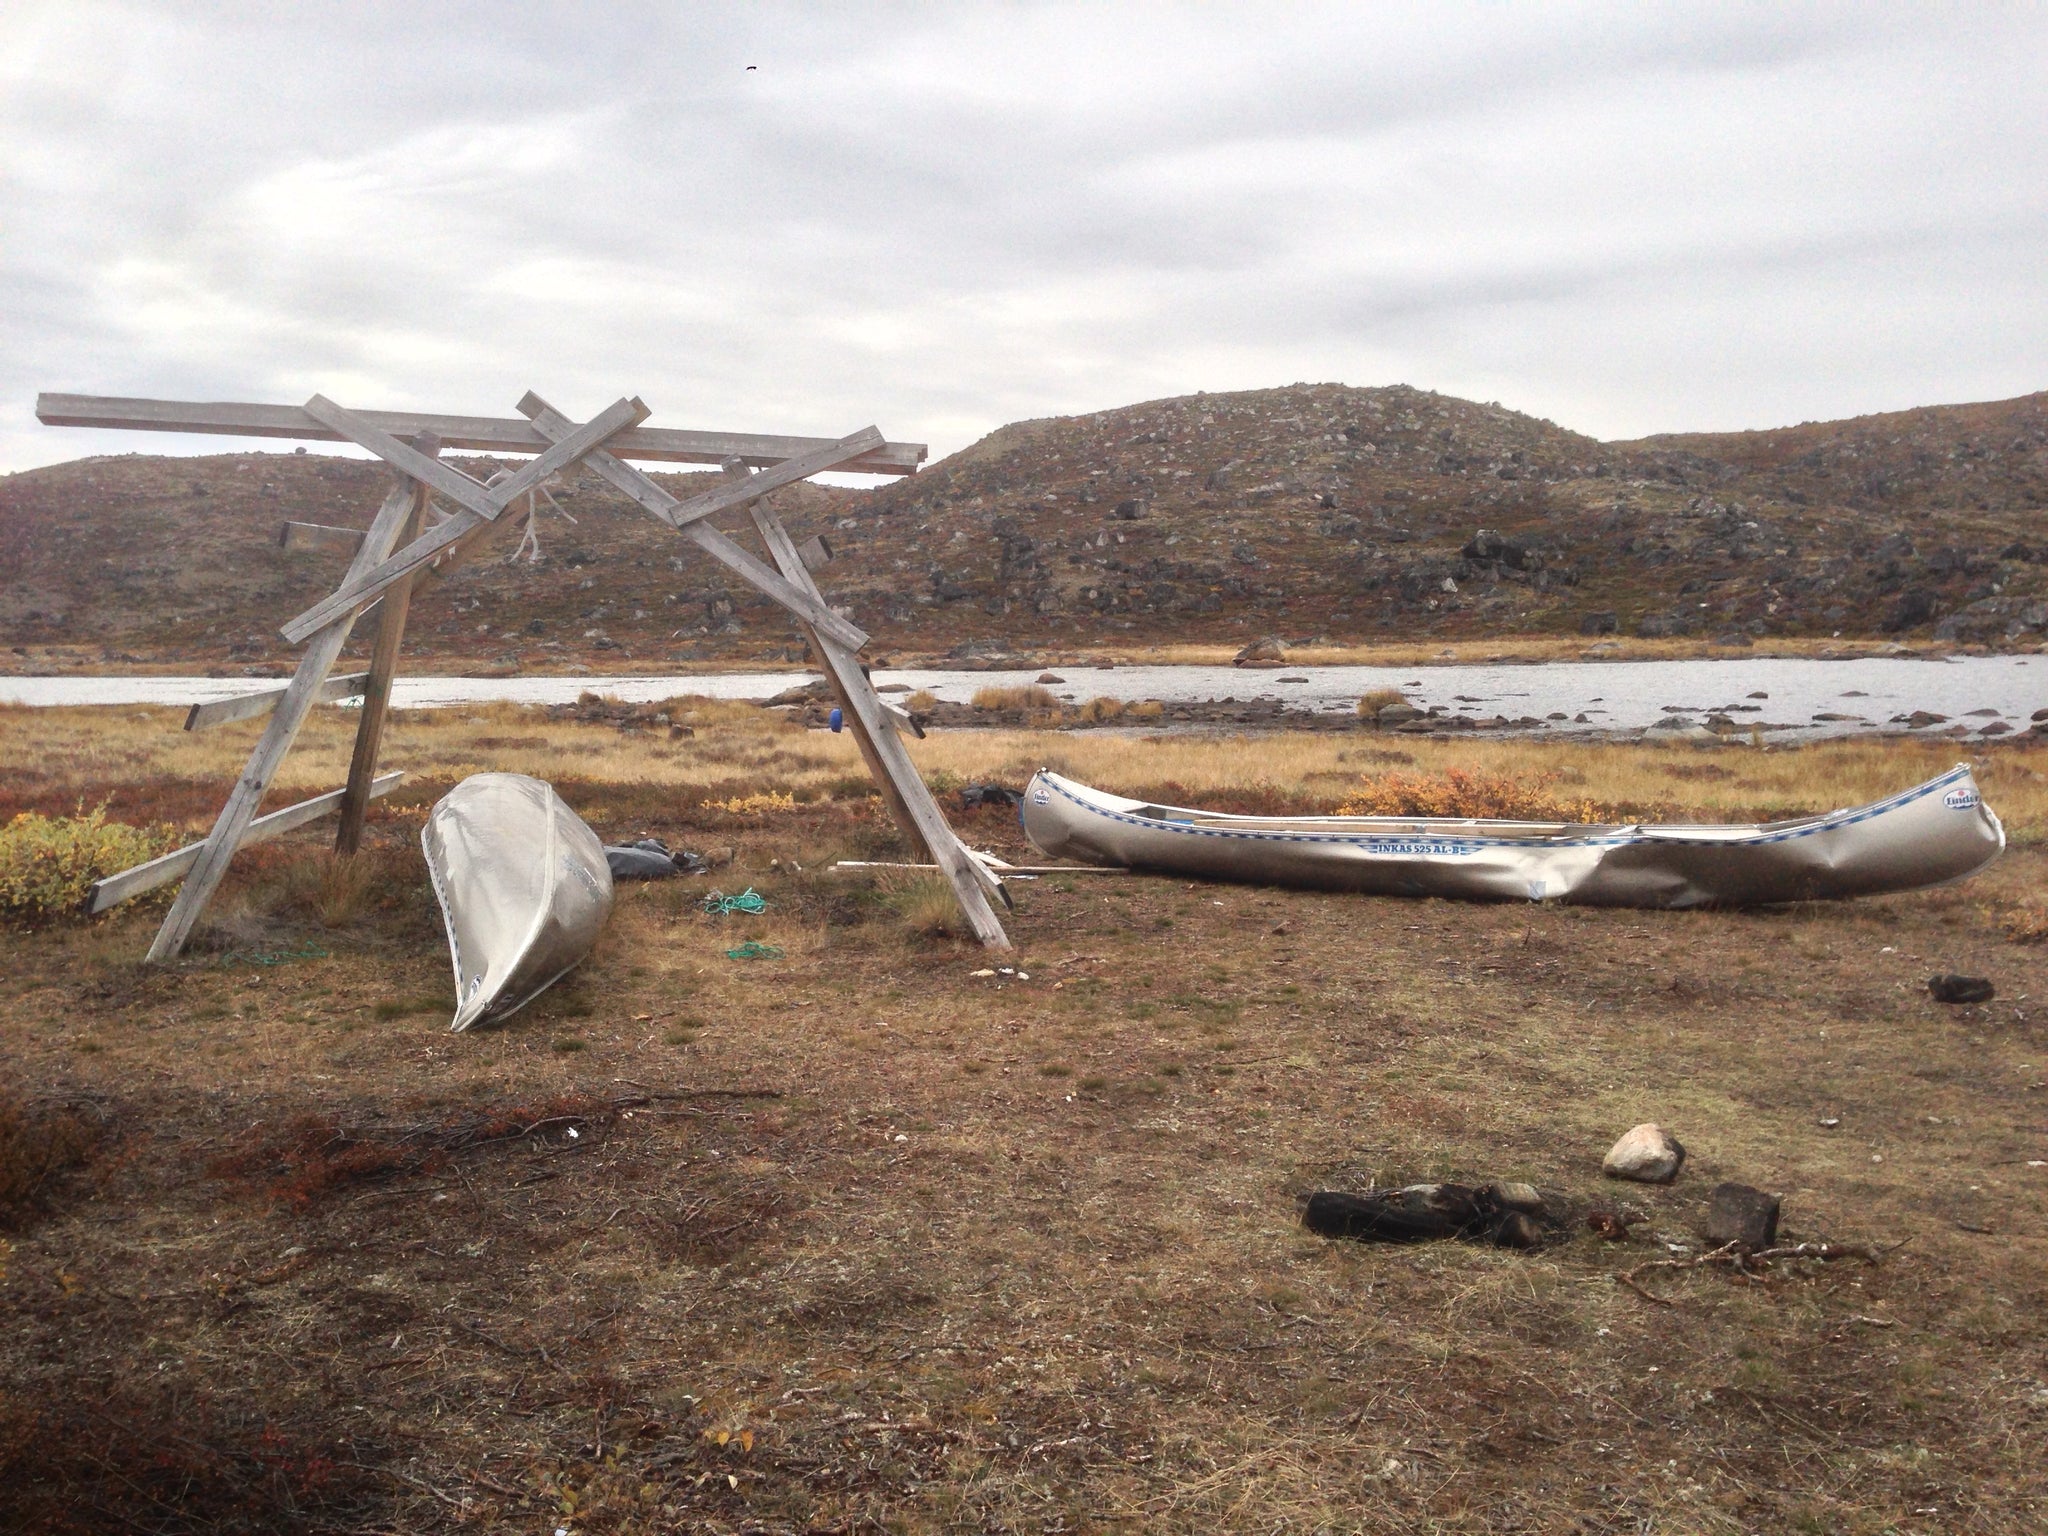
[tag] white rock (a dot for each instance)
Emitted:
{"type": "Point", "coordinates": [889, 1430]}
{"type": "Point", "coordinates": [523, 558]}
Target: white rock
{"type": "Point", "coordinates": [1649, 1154]}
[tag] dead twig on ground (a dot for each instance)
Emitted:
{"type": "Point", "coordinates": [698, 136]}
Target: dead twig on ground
{"type": "Point", "coordinates": [1735, 1256]}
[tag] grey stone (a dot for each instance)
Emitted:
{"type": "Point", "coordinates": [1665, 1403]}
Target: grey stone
{"type": "Point", "coordinates": [1648, 1154]}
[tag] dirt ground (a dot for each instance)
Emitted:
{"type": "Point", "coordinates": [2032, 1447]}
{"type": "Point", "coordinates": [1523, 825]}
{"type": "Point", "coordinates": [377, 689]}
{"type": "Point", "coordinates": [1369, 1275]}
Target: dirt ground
{"type": "Point", "coordinates": [855, 1239]}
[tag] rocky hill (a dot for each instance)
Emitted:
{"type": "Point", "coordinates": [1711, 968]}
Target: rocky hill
{"type": "Point", "coordinates": [1310, 511]}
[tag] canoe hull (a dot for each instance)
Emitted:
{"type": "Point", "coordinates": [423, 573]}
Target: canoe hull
{"type": "Point", "coordinates": [524, 890]}
{"type": "Point", "coordinates": [1933, 834]}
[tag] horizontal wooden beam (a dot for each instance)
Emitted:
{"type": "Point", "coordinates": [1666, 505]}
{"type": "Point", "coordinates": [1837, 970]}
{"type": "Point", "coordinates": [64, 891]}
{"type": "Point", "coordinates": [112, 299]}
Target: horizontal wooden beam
{"type": "Point", "coordinates": [115, 889]}
{"type": "Point", "coordinates": [299, 537]}
{"type": "Point", "coordinates": [484, 434]}
{"type": "Point", "coordinates": [247, 706]}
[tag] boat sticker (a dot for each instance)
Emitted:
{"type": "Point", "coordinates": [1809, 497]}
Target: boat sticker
{"type": "Point", "coordinates": [1960, 799]}
{"type": "Point", "coordinates": [1041, 796]}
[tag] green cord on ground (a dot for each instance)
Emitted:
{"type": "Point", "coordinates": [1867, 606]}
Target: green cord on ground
{"type": "Point", "coordinates": [753, 951]}
{"type": "Point", "coordinates": [718, 904]}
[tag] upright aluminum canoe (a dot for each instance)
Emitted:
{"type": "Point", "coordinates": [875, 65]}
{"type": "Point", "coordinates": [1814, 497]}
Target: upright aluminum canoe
{"type": "Point", "coordinates": [1930, 835]}
{"type": "Point", "coordinates": [524, 890]}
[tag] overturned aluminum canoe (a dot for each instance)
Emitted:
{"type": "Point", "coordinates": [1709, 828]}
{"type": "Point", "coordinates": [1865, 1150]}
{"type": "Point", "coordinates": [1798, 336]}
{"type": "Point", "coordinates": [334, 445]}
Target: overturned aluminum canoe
{"type": "Point", "coordinates": [1930, 835]}
{"type": "Point", "coordinates": [524, 889]}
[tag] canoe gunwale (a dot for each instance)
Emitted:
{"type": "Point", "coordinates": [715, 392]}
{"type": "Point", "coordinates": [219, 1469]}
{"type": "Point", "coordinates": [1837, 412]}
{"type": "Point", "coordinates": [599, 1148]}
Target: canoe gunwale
{"type": "Point", "coordinates": [1939, 832]}
{"type": "Point", "coordinates": [1370, 828]}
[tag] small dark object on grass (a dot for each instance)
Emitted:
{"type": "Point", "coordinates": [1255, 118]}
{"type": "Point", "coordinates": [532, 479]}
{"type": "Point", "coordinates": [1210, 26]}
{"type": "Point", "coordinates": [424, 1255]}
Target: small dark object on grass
{"type": "Point", "coordinates": [1613, 1225]}
{"type": "Point", "coordinates": [1743, 1216]}
{"type": "Point", "coordinates": [1421, 1213]}
{"type": "Point", "coordinates": [989, 794]}
{"type": "Point", "coordinates": [1960, 989]}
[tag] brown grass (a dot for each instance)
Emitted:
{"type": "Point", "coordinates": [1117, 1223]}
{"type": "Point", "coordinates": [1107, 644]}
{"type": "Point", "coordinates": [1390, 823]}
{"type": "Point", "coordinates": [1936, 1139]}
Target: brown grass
{"type": "Point", "coordinates": [40, 1140]}
{"type": "Point", "coordinates": [1463, 792]}
{"type": "Point", "coordinates": [1029, 697]}
{"type": "Point", "coordinates": [883, 1244]}
{"type": "Point", "coordinates": [1377, 699]}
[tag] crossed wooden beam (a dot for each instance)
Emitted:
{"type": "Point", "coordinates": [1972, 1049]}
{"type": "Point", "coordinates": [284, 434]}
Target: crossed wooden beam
{"type": "Point", "coordinates": [398, 548]}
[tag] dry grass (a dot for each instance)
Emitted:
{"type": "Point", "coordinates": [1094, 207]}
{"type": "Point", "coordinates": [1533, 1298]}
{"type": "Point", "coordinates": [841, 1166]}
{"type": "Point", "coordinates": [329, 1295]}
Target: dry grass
{"type": "Point", "coordinates": [1377, 699]}
{"type": "Point", "coordinates": [1461, 792]}
{"type": "Point", "coordinates": [884, 1245]}
{"type": "Point", "coordinates": [2024, 921]}
{"type": "Point", "coordinates": [1029, 697]}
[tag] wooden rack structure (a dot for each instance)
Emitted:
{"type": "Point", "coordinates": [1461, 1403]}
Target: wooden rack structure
{"type": "Point", "coordinates": [400, 545]}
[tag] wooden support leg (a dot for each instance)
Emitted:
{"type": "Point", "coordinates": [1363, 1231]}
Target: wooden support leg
{"type": "Point", "coordinates": [362, 766]}
{"type": "Point", "coordinates": [875, 732]}
{"type": "Point", "coordinates": [321, 652]}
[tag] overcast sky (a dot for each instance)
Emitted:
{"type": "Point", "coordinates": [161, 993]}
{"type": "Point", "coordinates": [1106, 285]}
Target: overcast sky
{"type": "Point", "coordinates": [1627, 218]}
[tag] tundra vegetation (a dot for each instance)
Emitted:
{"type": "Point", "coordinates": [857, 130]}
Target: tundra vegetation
{"type": "Point", "coordinates": [873, 1235]}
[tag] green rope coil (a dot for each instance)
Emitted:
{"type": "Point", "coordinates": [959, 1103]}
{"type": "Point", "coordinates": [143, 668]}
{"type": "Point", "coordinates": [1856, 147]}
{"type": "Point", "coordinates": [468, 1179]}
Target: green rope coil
{"type": "Point", "coordinates": [754, 951]}
{"type": "Point", "coordinates": [749, 901]}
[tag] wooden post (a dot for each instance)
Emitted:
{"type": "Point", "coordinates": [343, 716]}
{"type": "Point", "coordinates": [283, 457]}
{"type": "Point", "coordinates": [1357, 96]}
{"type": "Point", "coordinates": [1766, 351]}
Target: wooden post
{"type": "Point", "coordinates": [362, 765]}
{"type": "Point", "coordinates": [276, 741]}
{"type": "Point", "coordinates": [887, 759]}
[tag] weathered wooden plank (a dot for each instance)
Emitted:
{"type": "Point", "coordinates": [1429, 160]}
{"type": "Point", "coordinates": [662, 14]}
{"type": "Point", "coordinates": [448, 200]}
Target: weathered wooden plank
{"type": "Point", "coordinates": [298, 537]}
{"type": "Point", "coordinates": [203, 717]}
{"type": "Point", "coordinates": [817, 552]}
{"type": "Point", "coordinates": [247, 795]}
{"type": "Point", "coordinates": [475, 503]}
{"type": "Point", "coordinates": [484, 434]}
{"type": "Point", "coordinates": [715, 544]}
{"type": "Point", "coordinates": [903, 717]}
{"type": "Point", "coordinates": [459, 488]}
{"type": "Point", "coordinates": [902, 786]}
{"type": "Point", "coordinates": [115, 889]}
{"type": "Point", "coordinates": [354, 596]}
{"type": "Point", "coordinates": [737, 492]}
{"type": "Point", "coordinates": [362, 766]}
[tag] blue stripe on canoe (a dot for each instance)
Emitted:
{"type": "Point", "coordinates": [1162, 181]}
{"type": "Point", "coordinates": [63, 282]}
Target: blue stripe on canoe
{"type": "Point", "coordinates": [1397, 844]}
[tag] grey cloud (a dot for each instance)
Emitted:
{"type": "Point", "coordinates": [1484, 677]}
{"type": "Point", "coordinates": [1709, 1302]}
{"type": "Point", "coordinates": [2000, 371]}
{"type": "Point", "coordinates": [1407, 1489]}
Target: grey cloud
{"type": "Point", "coordinates": [940, 219]}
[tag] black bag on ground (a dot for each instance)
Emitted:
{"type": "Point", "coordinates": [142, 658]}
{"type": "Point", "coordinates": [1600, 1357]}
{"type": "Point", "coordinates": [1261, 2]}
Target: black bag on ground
{"type": "Point", "coordinates": [649, 859]}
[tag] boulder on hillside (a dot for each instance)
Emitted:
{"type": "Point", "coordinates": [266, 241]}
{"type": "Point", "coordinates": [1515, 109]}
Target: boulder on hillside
{"type": "Point", "coordinates": [1665, 626]}
{"type": "Point", "coordinates": [1498, 548]}
{"type": "Point", "coordinates": [1912, 607]}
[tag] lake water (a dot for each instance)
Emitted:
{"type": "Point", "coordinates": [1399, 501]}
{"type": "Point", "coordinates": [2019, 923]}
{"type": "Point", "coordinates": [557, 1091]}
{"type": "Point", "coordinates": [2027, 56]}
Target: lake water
{"type": "Point", "coordinates": [1614, 695]}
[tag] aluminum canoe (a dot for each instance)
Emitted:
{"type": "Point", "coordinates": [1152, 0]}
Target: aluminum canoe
{"type": "Point", "coordinates": [524, 889]}
{"type": "Point", "coordinates": [1929, 835]}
